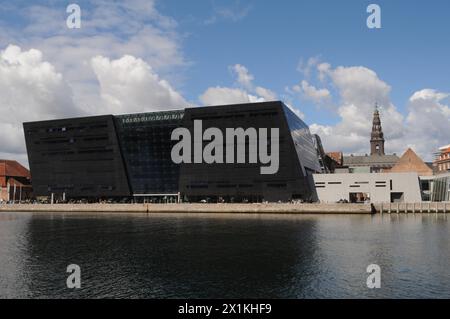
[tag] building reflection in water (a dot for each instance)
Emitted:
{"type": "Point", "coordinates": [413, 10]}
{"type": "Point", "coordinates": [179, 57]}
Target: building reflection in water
{"type": "Point", "coordinates": [224, 256]}
{"type": "Point", "coordinates": [171, 256]}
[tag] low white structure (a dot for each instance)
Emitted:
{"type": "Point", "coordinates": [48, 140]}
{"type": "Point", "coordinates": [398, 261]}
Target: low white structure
{"type": "Point", "coordinates": [373, 187]}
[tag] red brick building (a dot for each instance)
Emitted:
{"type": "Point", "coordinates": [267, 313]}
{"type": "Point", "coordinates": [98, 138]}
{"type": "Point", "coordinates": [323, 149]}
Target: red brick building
{"type": "Point", "coordinates": [15, 181]}
{"type": "Point", "coordinates": [337, 157]}
{"type": "Point", "coordinates": [442, 162]}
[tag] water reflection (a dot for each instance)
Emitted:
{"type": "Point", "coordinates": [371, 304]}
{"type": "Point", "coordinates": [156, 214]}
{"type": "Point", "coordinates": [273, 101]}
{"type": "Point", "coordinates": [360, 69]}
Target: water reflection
{"type": "Point", "coordinates": [223, 256]}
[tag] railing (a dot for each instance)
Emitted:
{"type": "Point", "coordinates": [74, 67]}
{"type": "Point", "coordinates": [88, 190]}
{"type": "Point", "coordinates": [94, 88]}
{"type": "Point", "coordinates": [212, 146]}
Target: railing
{"type": "Point", "coordinates": [421, 207]}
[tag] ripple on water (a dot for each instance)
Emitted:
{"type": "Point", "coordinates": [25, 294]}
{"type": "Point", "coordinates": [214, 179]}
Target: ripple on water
{"type": "Point", "coordinates": [224, 256]}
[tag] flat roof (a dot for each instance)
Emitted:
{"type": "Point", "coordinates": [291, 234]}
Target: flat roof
{"type": "Point", "coordinates": [155, 111]}
{"type": "Point", "coordinates": [370, 159]}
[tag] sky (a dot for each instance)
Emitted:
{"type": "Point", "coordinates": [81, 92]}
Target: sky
{"type": "Point", "coordinates": [319, 57]}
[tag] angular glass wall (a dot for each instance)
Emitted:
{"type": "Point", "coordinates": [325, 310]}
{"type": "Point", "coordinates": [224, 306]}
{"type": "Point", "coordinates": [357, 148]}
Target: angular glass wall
{"type": "Point", "coordinates": [441, 189]}
{"type": "Point", "coordinates": [146, 147]}
{"type": "Point", "coordinates": [303, 142]}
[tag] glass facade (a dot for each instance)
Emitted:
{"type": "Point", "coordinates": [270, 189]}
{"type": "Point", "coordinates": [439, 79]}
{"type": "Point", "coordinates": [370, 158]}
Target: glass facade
{"type": "Point", "coordinates": [245, 181]}
{"type": "Point", "coordinates": [441, 189]}
{"type": "Point", "coordinates": [130, 156]}
{"type": "Point", "coordinates": [146, 147]}
{"type": "Point", "coordinates": [303, 142]}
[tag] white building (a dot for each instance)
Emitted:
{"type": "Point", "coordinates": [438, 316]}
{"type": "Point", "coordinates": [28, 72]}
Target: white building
{"type": "Point", "coordinates": [373, 187]}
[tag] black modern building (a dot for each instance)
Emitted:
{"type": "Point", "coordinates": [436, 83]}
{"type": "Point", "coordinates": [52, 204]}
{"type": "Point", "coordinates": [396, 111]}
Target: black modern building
{"type": "Point", "coordinates": [129, 156]}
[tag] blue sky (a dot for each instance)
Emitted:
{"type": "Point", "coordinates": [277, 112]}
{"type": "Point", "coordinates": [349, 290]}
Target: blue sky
{"type": "Point", "coordinates": [317, 56]}
{"type": "Point", "coordinates": [410, 52]}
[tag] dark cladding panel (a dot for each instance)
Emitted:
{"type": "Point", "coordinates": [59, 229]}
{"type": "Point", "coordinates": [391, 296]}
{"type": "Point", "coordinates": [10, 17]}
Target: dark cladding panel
{"type": "Point", "coordinates": [244, 180]}
{"type": "Point", "coordinates": [79, 157]}
{"type": "Point", "coordinates": [146, 145]}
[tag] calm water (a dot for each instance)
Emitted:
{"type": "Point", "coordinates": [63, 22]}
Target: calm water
{"type": "Point", "coordinates": [200, 256]}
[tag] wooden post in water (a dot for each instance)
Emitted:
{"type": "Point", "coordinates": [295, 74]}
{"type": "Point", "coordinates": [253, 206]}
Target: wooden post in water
{"type": "Point", "coordinates": [398, 208]}
{"type": "Point", "coordinates": [429, 207]}
{"type": "Point", "coordinates": [414, 208]}
{"type": "Point", "coordinates": [390, 208]}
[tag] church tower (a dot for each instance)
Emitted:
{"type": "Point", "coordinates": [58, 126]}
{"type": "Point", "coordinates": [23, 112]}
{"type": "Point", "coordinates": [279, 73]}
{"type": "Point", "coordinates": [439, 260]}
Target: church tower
{"type": "Point", "coordinates": [377, 137]}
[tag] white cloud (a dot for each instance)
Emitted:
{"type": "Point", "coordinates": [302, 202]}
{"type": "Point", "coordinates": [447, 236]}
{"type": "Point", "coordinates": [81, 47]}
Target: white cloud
{"type": "Point", "coordinates": [306, 67]}
{"type": "Point", "coordinates": [129, 84]}
{"type": "Point", "coordinates": [230, 12]}
{"type": "Point", "coordinates": [424, 128]}
{"type": "Point", "coordinates": [312, 93]}
{"type": "Point", "coordinates": [244, 77]}
{"type": "Point", "coordinates": [266, 94]}
{"type": "Point", "coordinates": [109, 28]}
{"type": "Point", "coordinates": [247, 92]}
{"type": "Point", "coordinates": [428, 94]}
{"type": "Point", "coordinates": [224, 95]}
{"type": "Point", "coordinates": [359, 89]}
{"type": "Point", "coordinates": [30, 90]}
{"type": "Point", "coordinates": [323, 69]}
{"type": "Point", "coordinates": [428, 121]}
{"type": "Point", "coordinates": [37, 90]}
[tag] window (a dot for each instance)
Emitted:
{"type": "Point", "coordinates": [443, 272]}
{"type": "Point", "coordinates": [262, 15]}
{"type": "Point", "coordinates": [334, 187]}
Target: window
{"type": "Point", "coordinates": [397, 198]}
{"type": "Point", "coordinates": [277, 185]}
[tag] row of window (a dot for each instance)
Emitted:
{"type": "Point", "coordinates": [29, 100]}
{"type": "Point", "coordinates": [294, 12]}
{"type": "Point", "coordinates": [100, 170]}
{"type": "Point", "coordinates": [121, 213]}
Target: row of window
{"type": "Point", "coordinates": [354, 185]}
{"type": "Point", "coordinates": [70, 152]}
{"type": "Point", "coordinates": [232, 116]}
{"type": "Point", "coordinates": [59, 188]}
{"type": "Point", "coordinates": [444, 167]}
{"type": "Point", "coordinates": [71, 140]}
{"type": "Point", "coordinates": [76, 128]}
{"type": "Point", "coordinates": [203, 186]}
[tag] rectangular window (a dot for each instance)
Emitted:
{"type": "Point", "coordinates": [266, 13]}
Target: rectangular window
{"type": "Point", "coordinates": [277, 185]}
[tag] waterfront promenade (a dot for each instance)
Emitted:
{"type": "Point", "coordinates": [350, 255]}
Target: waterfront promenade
{"type": "Point", "coordinates": [268, 208]}
{"type": "Point", "coordinates": [271, 208]}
